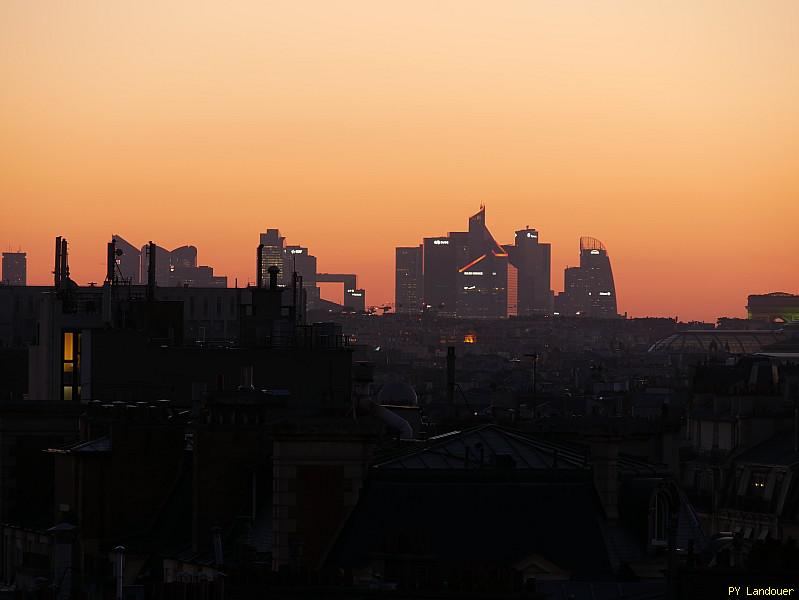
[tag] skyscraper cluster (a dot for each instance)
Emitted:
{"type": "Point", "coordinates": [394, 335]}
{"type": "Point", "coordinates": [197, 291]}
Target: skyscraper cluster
{"type": "Point", "coordinates": [469, 274]}
{"type": "Point", "coordinates": [273, 252]}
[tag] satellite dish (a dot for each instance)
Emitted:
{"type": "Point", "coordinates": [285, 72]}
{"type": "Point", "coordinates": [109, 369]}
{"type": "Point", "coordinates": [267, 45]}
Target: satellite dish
{"type": "Point", "coordinates": [119, 252]}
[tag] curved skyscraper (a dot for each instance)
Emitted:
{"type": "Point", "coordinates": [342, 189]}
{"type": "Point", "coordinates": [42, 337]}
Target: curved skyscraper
{"type": "Point", "coordinates": [589, 290]}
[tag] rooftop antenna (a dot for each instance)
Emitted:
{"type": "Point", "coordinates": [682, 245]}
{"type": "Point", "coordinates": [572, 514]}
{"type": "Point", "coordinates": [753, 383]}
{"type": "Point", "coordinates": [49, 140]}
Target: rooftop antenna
{"type": "Point", "coordinates": [111, 262]}
{"type": "Point", "coordinates": [64, 260]}
{"type": "Point", "coordinates": [151, 271]}
{"type": "Point", "coordinates": [57, 269]}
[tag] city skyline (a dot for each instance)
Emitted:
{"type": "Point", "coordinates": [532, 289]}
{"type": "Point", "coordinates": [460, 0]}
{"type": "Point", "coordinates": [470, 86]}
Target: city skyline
{"type": "Point", "coordinates": [333, 292]}
{"type": "Point", "coordinates": [668, 132]}
{"type": "Point", "coordinates": [399, 301]}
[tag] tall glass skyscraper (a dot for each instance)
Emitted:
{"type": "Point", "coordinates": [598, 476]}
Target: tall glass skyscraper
{"type": "Point", "coordinates": [271, 252]}
{"type": "Point", "coordinates": [589, 290]}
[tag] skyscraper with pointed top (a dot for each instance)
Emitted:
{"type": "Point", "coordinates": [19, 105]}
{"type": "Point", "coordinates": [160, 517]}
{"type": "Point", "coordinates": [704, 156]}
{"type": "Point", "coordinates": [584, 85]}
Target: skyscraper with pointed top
{"type": "Point", "coordinates": [469, 274]}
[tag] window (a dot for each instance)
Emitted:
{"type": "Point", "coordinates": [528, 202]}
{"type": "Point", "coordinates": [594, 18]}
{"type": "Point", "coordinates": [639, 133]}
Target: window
{"type": "Point", "coordinates": [757, 483]}
{"type": "Point", "coordinates": [70, 369]}
{"type": "Point", "coordinates": [659, 519]}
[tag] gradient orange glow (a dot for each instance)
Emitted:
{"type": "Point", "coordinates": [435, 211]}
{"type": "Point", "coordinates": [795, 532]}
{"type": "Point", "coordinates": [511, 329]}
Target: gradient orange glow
{"type": "Point", "coordinates": [670, 131]}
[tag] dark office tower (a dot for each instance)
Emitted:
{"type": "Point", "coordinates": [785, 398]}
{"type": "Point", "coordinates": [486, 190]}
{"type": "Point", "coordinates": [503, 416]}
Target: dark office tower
{"type": "Point", "coordinates": [589, 290]}
{"type": "Point", "coordinates": [271, 253]}
{"type": "Point", "coordinates": [15, 268]}
{"type": "Point", "coordinates": [128, 262]}
{"type": "Point", "coordinates": [482, 280]}
{"type": "Point", "coordinates": [183, 268]}
{"type": "Point", "coordinates": [355, 299]}
{"type": "Point", "coordinates": [569, 302]}
{"type": "Point", "coordinates": [408, 280]}
{"type": "Point", "coordinates": [298, 259]}
{"type": "Point", "coordinates": [440, 275]}
{"type": "Point", "coordinates": [533, 261]}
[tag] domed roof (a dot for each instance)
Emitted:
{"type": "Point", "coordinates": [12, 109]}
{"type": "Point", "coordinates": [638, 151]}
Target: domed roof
{"type": "Point", "coordinates": [397, 393]}
{"type": "Point", "coordinates": [717, 340]}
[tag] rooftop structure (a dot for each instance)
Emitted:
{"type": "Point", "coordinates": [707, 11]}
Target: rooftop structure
{"type": "Point", "coordinates": [717, 341]}
{"type": "Point", "coordinates": [776, 307]}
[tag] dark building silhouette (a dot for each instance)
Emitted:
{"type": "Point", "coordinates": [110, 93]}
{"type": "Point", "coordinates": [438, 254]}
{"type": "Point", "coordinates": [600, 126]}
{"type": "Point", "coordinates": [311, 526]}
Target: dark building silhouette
{"type": "Point", "coordinates": [354, 297]}
{"type": "Point", "coordinates": [779, 307]}
{"type": "Point", "coordinates": [469, 274]}
{"type": "Point", "coordinates": [15, 268]}
{"type": "Point", "coordinates": [440, 274]}
{"type": "Point", "coordinates": [442, 516]}
{"type": "Point", "coordinates": [179, 267]}
{"type": "Point", "coordinates": [589, 290]}
{"type": "Point", "coordinates": [128, 260]}
{"type": "Point", "coordinates": [408, 282]}
{"type": "Point", "coordinates": [298, 259]}
{"type": "Point", "coordinates": [273, 252]}
{"type": "Point", "coordinates": [482, 279]}
{"type": "Point", "coordinates": [531, 260]}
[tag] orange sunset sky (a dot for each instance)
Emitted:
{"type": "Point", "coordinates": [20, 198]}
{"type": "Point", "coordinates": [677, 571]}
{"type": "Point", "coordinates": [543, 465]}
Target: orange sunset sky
{"type": "Point", "coordinates": [669, 130]}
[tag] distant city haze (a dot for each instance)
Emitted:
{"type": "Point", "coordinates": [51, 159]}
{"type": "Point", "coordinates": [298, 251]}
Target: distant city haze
{"type": "Point", "coordinates": [670, 131]}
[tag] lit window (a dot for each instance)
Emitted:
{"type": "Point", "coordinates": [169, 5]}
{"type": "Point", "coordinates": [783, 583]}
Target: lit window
{"type": "Point", "coordinates": [757, 483]}
{"type": "Point", "coordinates": [68, 342]}
{"type": "Point", "coordinates": [70, 366]}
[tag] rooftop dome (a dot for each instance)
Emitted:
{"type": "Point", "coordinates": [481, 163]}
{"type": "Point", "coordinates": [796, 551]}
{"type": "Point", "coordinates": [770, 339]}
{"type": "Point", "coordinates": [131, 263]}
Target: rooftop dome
{"type": "Point", "coordinates": [716, 340]}
{"type": "Point", "coordinates": [397, 393]}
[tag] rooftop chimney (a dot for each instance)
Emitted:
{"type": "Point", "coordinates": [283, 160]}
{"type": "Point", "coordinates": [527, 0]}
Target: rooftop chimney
{"type": "Point", "coordinates": [57, 270]}
{"type": "Point", "coordinates": [111, 262]}
{"type": "Point", "coordinates": [151, 270]}
{"type": "Point", "coordinates": [64, 260]}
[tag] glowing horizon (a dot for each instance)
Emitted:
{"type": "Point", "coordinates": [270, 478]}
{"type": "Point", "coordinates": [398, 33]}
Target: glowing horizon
{"type": "Point", "coordinates": [668, 132]}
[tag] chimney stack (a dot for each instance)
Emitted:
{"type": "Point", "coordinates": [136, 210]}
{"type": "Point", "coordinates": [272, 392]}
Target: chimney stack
{"type": "Point", "coordinates": [64, 260]}
{"type": "Point", "coordinates": [151, 271]}
{"type": "Point", "coordinates": [111, 262]}
{"type": "Point", "coordinates": [57, 270]}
